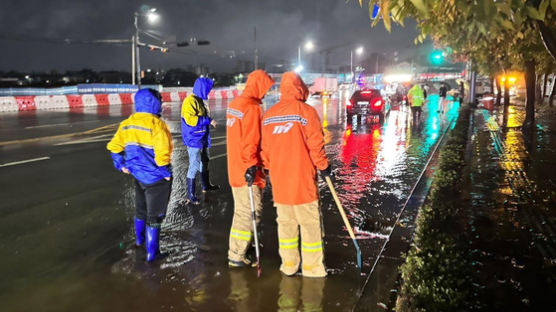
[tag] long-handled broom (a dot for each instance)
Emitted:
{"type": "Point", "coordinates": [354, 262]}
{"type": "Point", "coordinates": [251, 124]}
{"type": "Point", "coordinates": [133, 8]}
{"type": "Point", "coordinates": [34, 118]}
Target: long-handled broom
{"type": "Point", "coordinates": [346, 221]}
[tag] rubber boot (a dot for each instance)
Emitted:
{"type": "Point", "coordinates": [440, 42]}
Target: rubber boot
{"type": "Point", "coordinates": [205, 182]}
{"type": "Point", "coordinates": [153, 235]}
{"type": "Point", "coordinates": [191, 192]}
{"type": "Point", "coordinates": [139, 232]}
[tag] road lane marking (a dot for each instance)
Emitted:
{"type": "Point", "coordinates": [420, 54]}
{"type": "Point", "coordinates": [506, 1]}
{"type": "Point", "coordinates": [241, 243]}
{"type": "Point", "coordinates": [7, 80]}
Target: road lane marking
{"type": "Point", "coordinates": [24, 161]}
{"type": "Point", "coordinates": [98, 138]}
{"type": "Point", "coordinates": [60, 124]}
{"type": "Point", "coordinates": [218, 143]}
{"type": "Point", "coordinates": [218, 156]}
{"type": "Point", "coordinates": [59, 136]}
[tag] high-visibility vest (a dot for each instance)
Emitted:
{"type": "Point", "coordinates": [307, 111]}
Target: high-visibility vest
{"type": "Point", "coordinates": [416, 96]}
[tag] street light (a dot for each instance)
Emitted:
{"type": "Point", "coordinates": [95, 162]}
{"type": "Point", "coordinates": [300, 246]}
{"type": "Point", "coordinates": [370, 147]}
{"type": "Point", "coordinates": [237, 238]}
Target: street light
{"type": "Point", "coordinates": [152, 17]}
{"type": "Point", "coordinates": [358, 51]}
{"type": "Point", "coordinates": [309, 46]}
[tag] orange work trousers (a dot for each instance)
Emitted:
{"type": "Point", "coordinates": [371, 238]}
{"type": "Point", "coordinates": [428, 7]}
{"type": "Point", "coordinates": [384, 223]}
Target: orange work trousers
{"type": "Point", "coordinates": [241, 232]}
{"type": "Point", "coordinates": [292, 218]}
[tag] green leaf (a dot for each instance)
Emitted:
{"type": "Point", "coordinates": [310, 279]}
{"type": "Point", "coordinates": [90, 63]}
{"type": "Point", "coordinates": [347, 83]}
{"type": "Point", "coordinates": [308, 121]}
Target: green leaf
{"type": "Point", "coordinates": [533, 13]}
{"type": "Point", "coordinates": [385, 10]}
{"type": "Point", "coordinates": [505, 8]}
{"type": "Point", "coordinates": [542, 8]}
{"type": "Point", "coordinates": [507, 24]}
{"type": "Point", "coordinates": [420, 5]}
{"type": "Point", "coordinates": [489, 8]}
{"type": "Point", "coordinates": [397, 15]}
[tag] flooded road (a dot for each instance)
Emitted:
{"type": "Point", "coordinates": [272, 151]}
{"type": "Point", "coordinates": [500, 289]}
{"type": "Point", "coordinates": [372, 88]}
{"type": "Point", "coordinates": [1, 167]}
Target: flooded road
{"type": "Point", "coordinates": [66, 230]}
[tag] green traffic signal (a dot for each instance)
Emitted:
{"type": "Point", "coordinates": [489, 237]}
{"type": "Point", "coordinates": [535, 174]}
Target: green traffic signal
{"type": "Point", "coordinates": [436, 57]}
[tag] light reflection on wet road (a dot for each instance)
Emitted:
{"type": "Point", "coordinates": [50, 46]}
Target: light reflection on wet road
{"type": "Point", "coordinates": [66, 233]}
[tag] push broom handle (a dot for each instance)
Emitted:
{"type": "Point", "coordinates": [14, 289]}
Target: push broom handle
{"type": "Point", "coordinates": [340, 208]}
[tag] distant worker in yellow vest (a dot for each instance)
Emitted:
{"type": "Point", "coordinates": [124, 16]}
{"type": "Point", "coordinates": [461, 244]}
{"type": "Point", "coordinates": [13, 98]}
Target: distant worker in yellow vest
{"type": "Point", "coordinates": [416, 98]}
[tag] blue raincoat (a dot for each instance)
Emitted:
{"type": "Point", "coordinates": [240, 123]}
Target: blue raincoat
{"type": "Point", "coordinates": [143, 143]}
{"type": "Point", "coordinates": [195, 121]}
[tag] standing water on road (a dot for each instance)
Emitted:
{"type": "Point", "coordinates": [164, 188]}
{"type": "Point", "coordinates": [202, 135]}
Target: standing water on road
{"type": "Point", "coordinates": [66, 231]}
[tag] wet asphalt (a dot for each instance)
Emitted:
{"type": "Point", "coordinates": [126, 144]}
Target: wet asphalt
{"type": "Point", "coordinates": [66, 230]}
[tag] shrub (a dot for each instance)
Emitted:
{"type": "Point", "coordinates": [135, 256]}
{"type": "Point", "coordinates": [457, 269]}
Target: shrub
{"type": "Point", "coordinates": [436, 274]}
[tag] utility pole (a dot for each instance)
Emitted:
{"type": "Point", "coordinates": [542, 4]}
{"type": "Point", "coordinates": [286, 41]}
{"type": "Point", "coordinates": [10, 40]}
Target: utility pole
{"type": "Point", "coordinates": [256, 63]}
{"type": "Point", "coordinates": [351, 64]}
{"type": "Point", "coordinates": [137, 60]}
{"type": "Point", "coordinates": [133, 60]}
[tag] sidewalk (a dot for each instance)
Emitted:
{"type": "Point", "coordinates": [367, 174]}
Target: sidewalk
{"type": "Point", "coordinates": [512, 227]}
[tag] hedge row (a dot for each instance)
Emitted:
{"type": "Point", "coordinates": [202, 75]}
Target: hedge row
{"type": "Point", "coordinates": [436, 273]}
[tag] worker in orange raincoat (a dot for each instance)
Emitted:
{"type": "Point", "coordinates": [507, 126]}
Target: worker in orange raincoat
{"type": "Point", "coordinates": [243, 138]}
{"type": "Point", "coordinates": [292, 150]}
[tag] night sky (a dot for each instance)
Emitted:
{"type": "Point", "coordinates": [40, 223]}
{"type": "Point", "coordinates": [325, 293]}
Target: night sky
{"type": "Point", "coordinates": [32, 32]}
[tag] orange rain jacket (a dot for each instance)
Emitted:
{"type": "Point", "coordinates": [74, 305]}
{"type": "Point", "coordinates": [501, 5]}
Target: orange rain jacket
{"type": "Point", "coordinates": [243, 129]}
{"type": "Point", "coordinates": [293, 144]}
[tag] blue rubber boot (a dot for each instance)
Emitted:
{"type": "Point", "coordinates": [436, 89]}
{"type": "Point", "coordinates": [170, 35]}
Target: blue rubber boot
{"type": "Point", "coordinates": [205, 183]}
{"type": "Point", "coordinates": [139, 232]}
{"type": "Point", "coordinates": [191, 192]}
{"type": "Point", "coordinates": [153, 235]}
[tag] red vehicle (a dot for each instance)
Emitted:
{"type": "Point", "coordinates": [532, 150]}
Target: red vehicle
{"type": "Point", "coordinates": [367, 103]}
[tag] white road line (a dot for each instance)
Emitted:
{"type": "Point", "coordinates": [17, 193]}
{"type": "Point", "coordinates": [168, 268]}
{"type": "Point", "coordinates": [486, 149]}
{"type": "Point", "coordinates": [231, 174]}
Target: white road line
{"type": "Point", "coordinates": [61, 124]}
{"type": "Point", "coordinates": [218, 137]}
{"type": "Point", "coordinates": [98, 138]}
{"type": "Point", "coordinates": [218, 156]}
{"type": "Point", "coordinates": [218, 143]}
{"type": "Point", "coordinates": [24, 161]}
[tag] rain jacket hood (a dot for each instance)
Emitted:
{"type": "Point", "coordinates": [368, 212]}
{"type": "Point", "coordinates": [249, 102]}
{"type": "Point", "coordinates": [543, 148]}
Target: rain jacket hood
{"type": "Point", "coordinates": [202, 87]}
{"type": "Point", "coordinates": [243, 129]}
{"type": "Point", "coordinates": [293, 88]}
{"type": "Point", "coordinates": [258, 84]}
{"type": "Point", "coordinates": [148, 101]}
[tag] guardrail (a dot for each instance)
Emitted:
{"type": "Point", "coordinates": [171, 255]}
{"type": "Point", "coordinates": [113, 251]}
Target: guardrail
{"type": "Point", "coordinates": [46, 102]}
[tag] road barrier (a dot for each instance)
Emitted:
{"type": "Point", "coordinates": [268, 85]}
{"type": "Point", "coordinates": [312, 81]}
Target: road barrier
{"type": "Point", "coordinates": [46, 102]}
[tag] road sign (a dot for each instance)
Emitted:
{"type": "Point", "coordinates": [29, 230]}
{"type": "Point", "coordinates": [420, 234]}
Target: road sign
{"type": "Point", "coordinates": [376, 10]}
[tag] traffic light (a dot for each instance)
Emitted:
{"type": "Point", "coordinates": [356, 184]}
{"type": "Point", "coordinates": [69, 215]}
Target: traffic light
{"type": "Point", "coordinates": [203, 42]}
{"type": "Point", "coordinates": [183, 44]}
{"type": "Point", "coordinates": [436, 57]}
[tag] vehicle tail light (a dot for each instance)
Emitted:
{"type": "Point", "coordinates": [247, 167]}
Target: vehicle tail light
{"type": "Point", "coordinates": [378, 103]}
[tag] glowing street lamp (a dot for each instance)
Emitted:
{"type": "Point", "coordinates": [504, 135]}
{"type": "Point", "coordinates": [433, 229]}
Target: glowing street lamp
{"type": "Point", "coordinates": [152, 17]}
{"type": "Point", "coordinates": [308, 46]}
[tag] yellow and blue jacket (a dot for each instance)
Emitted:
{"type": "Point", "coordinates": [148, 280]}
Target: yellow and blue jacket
{"type": "Point", "coordinates": [195, 120]}
{"type": "Point", "coordinates": [143, 143]}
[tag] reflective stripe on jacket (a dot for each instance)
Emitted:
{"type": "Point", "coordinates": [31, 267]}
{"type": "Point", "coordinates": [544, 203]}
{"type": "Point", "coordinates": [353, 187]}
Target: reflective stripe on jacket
{"type": "Point", "coordinates": [293, 144]}
{"type": "Point", "coordinates": [143, 143]}
{"type": "Point", "coordinates": [243, 129]}
{"type": "Point", "coordinates": [195, 122]}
